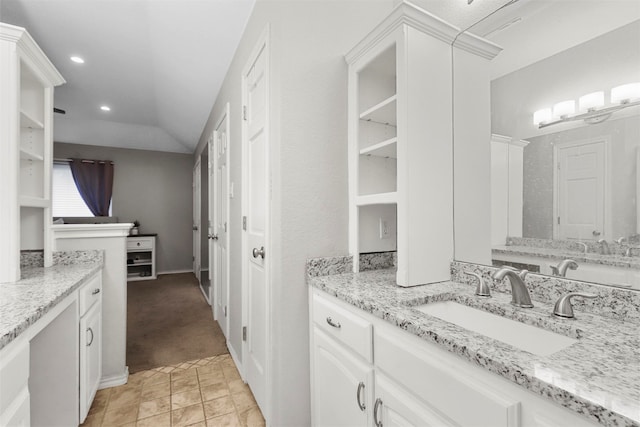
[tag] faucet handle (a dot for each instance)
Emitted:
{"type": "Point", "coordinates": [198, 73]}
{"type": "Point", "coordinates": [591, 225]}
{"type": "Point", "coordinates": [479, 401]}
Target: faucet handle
{"type": "Point", "coordinates": [554, 270]}
{"type": "Point", "coordinates": [563, 307]}
{"type": "Point", "coordinates": [482, 289]}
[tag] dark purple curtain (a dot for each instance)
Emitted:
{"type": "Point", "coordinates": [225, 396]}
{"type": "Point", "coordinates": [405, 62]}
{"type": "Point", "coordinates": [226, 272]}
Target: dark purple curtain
{"type": "Point", "coordinates": [94, 180]}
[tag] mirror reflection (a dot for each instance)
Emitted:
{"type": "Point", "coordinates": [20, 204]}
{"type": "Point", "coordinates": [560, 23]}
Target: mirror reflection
{"type": "Point", "coordinates": [565, 144]}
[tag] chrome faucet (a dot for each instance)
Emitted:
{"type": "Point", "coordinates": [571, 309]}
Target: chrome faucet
{"type": "Point", "coordinates": [519, 294]}
{"type": "Point", "coordinates": [561, 269]}
{"type": "Point", "coordinates": [604, 247]}
{"type": "Point", "coordinates": [621, 240]}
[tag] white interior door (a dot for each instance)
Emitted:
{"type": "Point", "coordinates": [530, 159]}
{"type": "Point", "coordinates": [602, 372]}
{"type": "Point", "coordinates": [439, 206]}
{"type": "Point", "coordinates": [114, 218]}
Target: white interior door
{"type": "Point", "coordinates": [255, 249]}
{"type": "Point", "coordinates": [219, 152]}
{"type": "Point", "coordinates": [581, 190]}
{"type": "Point", "coordinates": [196, 219]}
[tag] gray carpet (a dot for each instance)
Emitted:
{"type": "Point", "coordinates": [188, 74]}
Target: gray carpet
{"type": "Point", "coordinates": [168, 322]}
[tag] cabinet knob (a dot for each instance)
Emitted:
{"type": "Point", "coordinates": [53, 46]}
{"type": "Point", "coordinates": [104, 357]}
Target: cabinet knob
{"type": "Point", "coordinates": [138, 243]}
{"type": "Point", "coordinates": [95, 291]}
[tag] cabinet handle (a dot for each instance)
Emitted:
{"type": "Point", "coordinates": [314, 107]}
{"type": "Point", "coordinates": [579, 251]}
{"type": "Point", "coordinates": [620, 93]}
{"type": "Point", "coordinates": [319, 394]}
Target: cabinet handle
{"type": "Point", "coordinates": [376, 421]}
{"type": "Point", "coordinates": [95, 291]}
{"type": "Point", "coordinates": [138, 243]}
{"type": "Point", "coordinates": [336, 325]}
{"type": "Point", "coordinates": [90, 342]}
{"type": "Point", "coordinates": [360, 404]}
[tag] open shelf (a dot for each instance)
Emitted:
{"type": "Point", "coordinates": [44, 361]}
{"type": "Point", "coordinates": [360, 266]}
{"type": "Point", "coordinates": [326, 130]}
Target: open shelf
{"type": "Point", "coordinates": [377, 199]}
{"type": "Point", "coordinates": [30, 155]}
{"type": "Point", "coordinates": [34, 202]}
{"type": "Point", "coordinates": [27, 121]}
{"type": "Point", "coordinates": [137, 263]}
{"type": "Point", "coordinates": [386, 149]}
{"type": "Point", "coordinates": [383, 112]}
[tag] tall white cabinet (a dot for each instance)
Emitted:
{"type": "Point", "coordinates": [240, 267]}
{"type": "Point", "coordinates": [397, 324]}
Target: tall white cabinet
{"type": "Point", "coordinates": [27, 79]}
{"type": "Point", "coordinates": [400, 141]}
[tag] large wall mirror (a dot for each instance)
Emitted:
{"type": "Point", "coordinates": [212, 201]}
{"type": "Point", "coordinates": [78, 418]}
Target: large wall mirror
{"type": "Point", "coordinates": [565, 143]}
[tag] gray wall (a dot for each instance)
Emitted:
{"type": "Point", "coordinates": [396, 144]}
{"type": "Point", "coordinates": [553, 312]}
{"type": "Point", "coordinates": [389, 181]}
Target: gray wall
{"type": "Point", "coordinates": [153, 187]}
{"type": "Point", "coordinates": [624, 135]}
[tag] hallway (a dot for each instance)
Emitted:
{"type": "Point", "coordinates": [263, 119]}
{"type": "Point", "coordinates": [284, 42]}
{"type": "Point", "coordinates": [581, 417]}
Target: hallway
{"type": "Point", "coordinates": [169, 322]}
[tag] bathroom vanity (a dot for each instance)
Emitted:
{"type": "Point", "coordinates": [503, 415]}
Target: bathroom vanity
{"type": "Point", "coordinates": [378, 358]}
{"type": "Point", "coordinates": [51, 341]}
{"type": "Point", "coordinates": [413, 344]}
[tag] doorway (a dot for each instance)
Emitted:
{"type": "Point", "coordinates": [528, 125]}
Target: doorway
{"type": "Point", "coordinates": [205, 220]}
{"type": "Point", "coordinates": [256, 219]}
{"type": "Point", "coordinates": [581, 196]}
{"type": "Point", "coordinates": [196, 219]}
{"type": "Point", "coordinates": [218, 228]}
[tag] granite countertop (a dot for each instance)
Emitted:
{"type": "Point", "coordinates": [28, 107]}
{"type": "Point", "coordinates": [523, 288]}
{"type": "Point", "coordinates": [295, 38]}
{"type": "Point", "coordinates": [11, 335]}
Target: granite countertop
{"type": "Point", "coordinates": [598, 377]}
{"type": "Point", "coordinates": [558, 253]}
{"type": "Point", "coordinates": [23, 302]}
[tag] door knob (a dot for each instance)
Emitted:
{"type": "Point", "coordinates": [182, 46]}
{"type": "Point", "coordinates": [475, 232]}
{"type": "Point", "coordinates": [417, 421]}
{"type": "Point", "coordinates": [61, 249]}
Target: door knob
{"type": "Point", "coordinates": [213, 236]}
{"type": "Point", "coordinates": [258, 252]}
{"type": "Point", "coordinates": [596, 233]}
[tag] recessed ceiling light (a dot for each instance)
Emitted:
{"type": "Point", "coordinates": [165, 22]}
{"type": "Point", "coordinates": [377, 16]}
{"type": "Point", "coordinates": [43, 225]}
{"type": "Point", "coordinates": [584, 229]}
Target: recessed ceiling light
{"type": "Point", "coordinates": [77, 60]}
{"type": "Point", "coordinates": [105, 108]}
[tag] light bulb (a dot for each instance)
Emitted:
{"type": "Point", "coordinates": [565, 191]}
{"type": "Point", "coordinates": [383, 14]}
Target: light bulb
{"type": "Point", "coordinates": [563, 109]}
{"type": "Point", "coordinates": [591, 101]}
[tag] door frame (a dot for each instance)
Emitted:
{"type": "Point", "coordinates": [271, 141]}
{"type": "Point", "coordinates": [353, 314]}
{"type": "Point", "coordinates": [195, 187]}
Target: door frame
{"type": "Point", "coordinates": [214, 207]}
{"type": "Point", "coordinates": [606, 140]}
{"type": "Point", "coordinates": [196, 225]}
{"type": "Point", "coordinates": [262, 45]}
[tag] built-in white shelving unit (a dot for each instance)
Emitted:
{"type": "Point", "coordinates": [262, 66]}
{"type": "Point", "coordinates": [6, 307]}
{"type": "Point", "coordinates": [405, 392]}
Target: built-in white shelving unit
{"type": "Point", "coordinates": [26, 152]}
{"type": "Point", "coordinates": [401, 141]}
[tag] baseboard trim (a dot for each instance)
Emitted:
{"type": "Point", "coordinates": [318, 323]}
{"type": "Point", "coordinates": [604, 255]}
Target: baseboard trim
{"type": "Point", "coordinates": [174, 271]}
{"type": "Point", "coordinates": [114, 380]}
{"type": "Point", "coordinates": [234, 356]}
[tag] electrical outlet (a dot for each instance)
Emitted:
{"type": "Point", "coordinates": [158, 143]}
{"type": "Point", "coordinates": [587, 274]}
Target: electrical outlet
{"type": "Point", "coordinates": [384, 228]}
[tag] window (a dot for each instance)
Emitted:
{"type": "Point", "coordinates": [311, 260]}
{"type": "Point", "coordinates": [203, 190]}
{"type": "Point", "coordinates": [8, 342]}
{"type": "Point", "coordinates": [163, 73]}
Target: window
{"type": "Point", "coordinates": [66, 200]}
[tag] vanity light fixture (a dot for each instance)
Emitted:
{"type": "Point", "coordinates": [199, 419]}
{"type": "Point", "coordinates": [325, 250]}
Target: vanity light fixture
{"type": "Point", "coordinates": [77, 60]}
{"type": "Point", "coordinates": [590, 102]}
{"type": "Point", "coordinates": [105, 108]}
{"type": "Point", "coordinates": [591, 107]}
{"type": "Point", "coordinates": [542, 116]}
{"type": "Point", "coordinates": [563, 109]}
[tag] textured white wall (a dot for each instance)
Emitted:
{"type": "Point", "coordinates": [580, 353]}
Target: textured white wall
{"type": "Point", "coordinates": [309, 164]}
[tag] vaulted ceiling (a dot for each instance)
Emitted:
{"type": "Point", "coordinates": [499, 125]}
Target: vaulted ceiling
{"type": "Point", "coordinates": [158, 64]}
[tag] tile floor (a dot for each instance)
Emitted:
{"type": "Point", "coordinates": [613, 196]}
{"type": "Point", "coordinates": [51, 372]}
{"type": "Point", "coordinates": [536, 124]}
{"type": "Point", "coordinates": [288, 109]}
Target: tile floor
{"type": "Point", "coordinates": [203, 393]}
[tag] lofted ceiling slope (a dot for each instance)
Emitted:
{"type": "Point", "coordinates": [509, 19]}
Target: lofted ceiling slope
{"type": "Point", "coordinates": [158, 64]}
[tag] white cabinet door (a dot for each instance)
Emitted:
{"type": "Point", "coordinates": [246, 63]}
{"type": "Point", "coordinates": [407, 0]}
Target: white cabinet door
{"type": "Point", "coordinates": [342, 385]}
{"type": "Point", "coordinates": [396, 407]}
{"type": "Point", "coordinates": [90, 357]}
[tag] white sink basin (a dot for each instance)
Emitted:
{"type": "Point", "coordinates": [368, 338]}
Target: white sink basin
{"type": "Point", "coordinates": [525, 337]}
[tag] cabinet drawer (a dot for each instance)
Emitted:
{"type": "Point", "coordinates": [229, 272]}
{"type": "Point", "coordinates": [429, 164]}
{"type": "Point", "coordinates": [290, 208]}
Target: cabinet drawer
{"type": "Point", "coordinates": [348, 328]}
{"type": "Point", "coordinates": [14, 372]}
{"type": "Point", "coordinates": [90, 293]}
{"type": "Point", "coordinates": [442, 383]}
{"type": "Point", "coordinates": [134, 243]}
